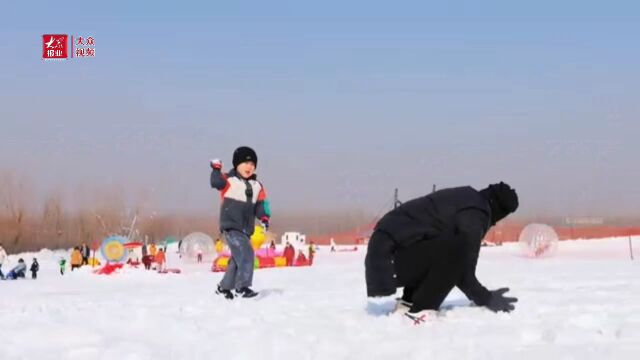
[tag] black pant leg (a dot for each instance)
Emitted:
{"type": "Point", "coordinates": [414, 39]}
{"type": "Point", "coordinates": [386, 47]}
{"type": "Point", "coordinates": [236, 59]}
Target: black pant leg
{"type": "Point", "coordinates": [407, 294]}
{"type": "Point", "coordinates": [412, 264]}
{"type": "Point", "coordinates": [429, 270]}
{"type": "Point", "coordinates": [443, 275]}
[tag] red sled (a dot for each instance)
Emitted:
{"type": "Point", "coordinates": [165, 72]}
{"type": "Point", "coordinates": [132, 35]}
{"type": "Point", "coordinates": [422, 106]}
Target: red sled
{"type": "Point", "coordinates": [108, 269]}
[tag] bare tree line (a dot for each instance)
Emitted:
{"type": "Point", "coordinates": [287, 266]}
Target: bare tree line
{"type": "Point", "coordinates": [25, 225]}
{"type": "Point", "coordinates": [29, 225]}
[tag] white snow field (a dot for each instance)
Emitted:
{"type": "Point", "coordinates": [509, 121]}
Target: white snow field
{"type": "Point", "coordinates": [584, 303]}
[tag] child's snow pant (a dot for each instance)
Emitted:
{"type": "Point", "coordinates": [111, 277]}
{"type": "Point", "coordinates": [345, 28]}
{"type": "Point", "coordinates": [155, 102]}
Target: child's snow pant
{"type": "Point", "coordinates": [239, 272]}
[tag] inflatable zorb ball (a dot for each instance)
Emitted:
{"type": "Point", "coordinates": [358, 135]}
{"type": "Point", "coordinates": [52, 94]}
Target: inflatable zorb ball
{"type": "Point", "coordinates": [197, 243]}
{"type": "Point", "coordinates": [538, 240]}
{"type": "Point", "coordinates": [113, 249]}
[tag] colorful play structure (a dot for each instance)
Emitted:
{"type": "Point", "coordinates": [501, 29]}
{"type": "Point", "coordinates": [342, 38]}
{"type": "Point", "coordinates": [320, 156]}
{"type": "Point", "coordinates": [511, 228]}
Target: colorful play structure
{"type": "Point", "coordinates": [114, 251]}
{"type": "Point", "coordinates": [266, 257]}
{"type": "Point", "coordinates": [118, 252]}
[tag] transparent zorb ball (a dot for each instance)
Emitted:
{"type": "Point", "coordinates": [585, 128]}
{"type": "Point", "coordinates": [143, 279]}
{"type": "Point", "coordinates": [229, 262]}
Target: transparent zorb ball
{"type": "Point", "coordinates": [196, 244]}
{"type": "Point", "coordinates": [538, 240]}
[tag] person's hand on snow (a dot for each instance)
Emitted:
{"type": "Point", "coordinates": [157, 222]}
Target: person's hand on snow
{"type": "Point", "coordinates": [498, 302]}
{"type": "Point", "coordinates": [216, 164]}
{"type": "Point", "coordinates": [264, 221]}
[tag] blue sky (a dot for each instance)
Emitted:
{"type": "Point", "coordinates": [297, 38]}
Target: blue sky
{"type": "Point", "coordinates": [342, 100]}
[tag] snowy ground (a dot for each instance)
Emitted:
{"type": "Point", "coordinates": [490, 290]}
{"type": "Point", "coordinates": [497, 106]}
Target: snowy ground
{"type": "Point", "coordinates": [582, 304]}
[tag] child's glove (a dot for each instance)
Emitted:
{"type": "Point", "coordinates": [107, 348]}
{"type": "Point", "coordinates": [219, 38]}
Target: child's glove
{"type": "Point", "coordinates": [264, 221]}
{"type": "Point", "coordinates": [216, 164]}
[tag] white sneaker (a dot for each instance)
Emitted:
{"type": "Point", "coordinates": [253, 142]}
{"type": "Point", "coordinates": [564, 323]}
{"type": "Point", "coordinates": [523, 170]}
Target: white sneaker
{"type": "Point", "coordinates": [420, 317]}
{"type": "Point", "coordinates": [402, 306]}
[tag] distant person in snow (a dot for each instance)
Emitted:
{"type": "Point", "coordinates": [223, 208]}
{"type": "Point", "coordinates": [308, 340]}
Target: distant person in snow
{"type": "Point", "coordinates": [3, 258]}
{"type": "Point", "coordinates": [86, 252]}
{"type": "Point", "coordinates": [243, 200]}
{"type": "Point", "coordinates": [289, 254]}
{"type": "Point", "coordinates": [76, 259]}
{"type": "Point", "coordinates": [63, 265]}
{"type": "Point", "coordinates": [147, 260]}
{"type": "Point", "coordinates": [301, 260]}
{"type": "Point", "coordinates": [153, 250]}
{"type": "Point", "coordinates": [160, 260]}
{"type": "Point", "coordinates": [35, 267]}
{"type": "Point", "coordinates": [18, 271]}
{"type": "Point", "coordinates": [312, 252]}
{"type": "Point", "coordinates": [431, 244]}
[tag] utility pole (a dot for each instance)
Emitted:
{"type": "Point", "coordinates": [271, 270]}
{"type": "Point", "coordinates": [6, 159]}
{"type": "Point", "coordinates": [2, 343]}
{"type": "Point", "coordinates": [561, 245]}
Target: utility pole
{"type": "Point", "coordinates": [396, 201]}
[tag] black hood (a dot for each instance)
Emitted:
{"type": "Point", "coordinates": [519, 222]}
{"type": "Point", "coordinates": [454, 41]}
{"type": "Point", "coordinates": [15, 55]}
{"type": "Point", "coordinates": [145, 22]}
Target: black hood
{"type": "Point", "coordinates": [502, 199]}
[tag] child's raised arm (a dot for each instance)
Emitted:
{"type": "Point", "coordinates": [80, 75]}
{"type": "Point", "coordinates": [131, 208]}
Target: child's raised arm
{"type": "Point", "coordinates": [218, 179]}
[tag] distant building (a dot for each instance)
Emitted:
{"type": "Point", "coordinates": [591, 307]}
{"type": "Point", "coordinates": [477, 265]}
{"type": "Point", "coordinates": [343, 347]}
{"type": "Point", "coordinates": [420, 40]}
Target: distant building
{"type": "Point", "coordinates": [298, 240]}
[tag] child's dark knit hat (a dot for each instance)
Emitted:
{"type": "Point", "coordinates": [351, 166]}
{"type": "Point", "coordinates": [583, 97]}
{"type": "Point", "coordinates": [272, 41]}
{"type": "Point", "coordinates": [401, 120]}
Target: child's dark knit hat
{"type": "Point", "coordinates": [243, 154]}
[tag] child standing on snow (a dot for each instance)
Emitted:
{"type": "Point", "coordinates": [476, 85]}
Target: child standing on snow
{"type": "Point", "coordinates": [34, 268]}
{"type": "Point", "coordinates": [160, 260]}
{"type": "Point", "coordinates": [243, 199]}
{"type": "Point", "coordinates": [312, 252]}
{"type": "Point", "coordinates": [76, 259]}
{"type": "Point", "coordinates": [63, 264]}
